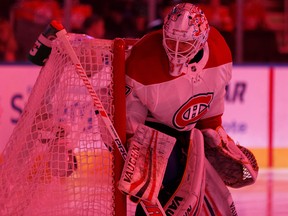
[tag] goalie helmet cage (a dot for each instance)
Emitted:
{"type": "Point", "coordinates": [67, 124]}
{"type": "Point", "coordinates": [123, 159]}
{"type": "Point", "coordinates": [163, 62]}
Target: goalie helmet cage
{"type": "Point", "coordinates": [57, 161]}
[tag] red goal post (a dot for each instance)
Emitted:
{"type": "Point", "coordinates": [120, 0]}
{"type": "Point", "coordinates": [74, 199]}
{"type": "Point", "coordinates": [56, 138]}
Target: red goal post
{"type": "Point", "coordinates": [57, 161]}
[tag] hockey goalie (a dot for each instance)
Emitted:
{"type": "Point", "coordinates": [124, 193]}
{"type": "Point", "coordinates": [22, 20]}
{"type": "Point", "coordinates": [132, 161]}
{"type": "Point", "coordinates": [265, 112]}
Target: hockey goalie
{"type": "Point", "coordinates": [176, 80]}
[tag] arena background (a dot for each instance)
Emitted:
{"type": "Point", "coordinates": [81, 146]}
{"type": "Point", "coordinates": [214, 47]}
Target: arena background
{"type": "Point", "coordinates": [256, 108]}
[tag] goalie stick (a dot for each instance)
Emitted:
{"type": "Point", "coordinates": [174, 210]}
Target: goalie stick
{"type": "Point", "coordinates": [149, 208]}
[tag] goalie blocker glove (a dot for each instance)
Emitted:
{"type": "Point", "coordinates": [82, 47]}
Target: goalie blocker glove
{"type": "Point", "coordinates": [145, 164]}
{"type": "Point", "coordinates": [41, 50]}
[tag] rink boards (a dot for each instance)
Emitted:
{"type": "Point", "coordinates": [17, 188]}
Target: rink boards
{"type": "Point", "coordinates": [255, 113]}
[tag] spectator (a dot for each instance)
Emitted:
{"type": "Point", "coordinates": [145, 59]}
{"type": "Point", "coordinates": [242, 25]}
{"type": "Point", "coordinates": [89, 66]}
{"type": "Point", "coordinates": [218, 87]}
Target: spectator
{"type": "Point", "coordinates": [219, 15]}
{"type": "Point", "coordinates": [259, 42]}
{"type": "Point", "coordinates": [164, 9]}
{"type": "Point", "coordinates": [139, 19]}
{"type": "Point", "coordinates": [94, 26]}
{"type": "Point", "coordinates": [114, 21]}
{"type": "Point", "coordinates": [140, 26]}
{"type": "Point", "coordinates": [6, 6]}
{"type": "Point", "coordinates": [8, 45]}
{"type": "Point", "coordinates": [254, 14]}
{"type": "Point", "coordinates": [79, 13]}
{"type": "Point", "coordinates": [30, 18]}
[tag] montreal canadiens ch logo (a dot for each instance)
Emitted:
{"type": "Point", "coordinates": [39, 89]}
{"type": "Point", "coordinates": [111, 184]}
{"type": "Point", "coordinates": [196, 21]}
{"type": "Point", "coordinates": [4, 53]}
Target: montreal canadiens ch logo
{"type": "Point", "coordinates": [193, 110]}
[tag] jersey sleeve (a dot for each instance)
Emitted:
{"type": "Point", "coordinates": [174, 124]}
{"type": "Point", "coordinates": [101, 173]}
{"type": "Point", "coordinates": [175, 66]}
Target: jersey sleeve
{"type": "Point", "coordinates": [218, 73]}
{"type": "Point", "coordinates": [136, 112]}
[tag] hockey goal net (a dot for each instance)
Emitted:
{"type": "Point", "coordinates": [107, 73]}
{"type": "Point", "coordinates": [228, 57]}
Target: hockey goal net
{"type": "Point", "coordinates": [57, 160]}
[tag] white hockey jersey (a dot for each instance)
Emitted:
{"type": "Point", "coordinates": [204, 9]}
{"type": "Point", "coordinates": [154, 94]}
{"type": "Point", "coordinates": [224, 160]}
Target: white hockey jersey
{"type": "Point", "coordinates": [178, 102]}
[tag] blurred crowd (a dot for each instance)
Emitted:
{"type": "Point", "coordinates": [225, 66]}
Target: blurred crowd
{"type": "Point", "coordinates": [21, 22]}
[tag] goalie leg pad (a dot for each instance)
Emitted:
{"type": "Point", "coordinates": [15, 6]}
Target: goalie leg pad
{"type": "Point", "coordinates": [188, 197]}
{"type": "Point", "coordinates": [217, 200]}
{"type": "Point", "coordinates": [145, 164]}
{"type": "Point", "coordinates": [235, 164]}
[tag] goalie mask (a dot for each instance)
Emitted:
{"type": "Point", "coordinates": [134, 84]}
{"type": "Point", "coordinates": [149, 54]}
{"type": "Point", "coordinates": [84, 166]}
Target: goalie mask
{"type": "Point", "coordinates": [185, 32]}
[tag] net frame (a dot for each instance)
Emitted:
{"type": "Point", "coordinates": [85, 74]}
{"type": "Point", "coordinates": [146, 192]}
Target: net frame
{"type": "Point", "coordinates": [117, 47]}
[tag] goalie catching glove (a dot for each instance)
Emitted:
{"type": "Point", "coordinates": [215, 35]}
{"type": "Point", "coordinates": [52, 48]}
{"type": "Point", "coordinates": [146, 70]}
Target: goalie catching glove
{"type": "Point", "coordinates": [146, 163]}
{"type": "Point", "coordinates": [235, 164]}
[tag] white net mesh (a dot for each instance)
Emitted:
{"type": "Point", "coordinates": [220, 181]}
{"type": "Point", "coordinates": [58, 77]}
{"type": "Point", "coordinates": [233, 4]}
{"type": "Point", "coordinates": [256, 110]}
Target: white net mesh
{"type": "Point", "coordinates": [56, 161]}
